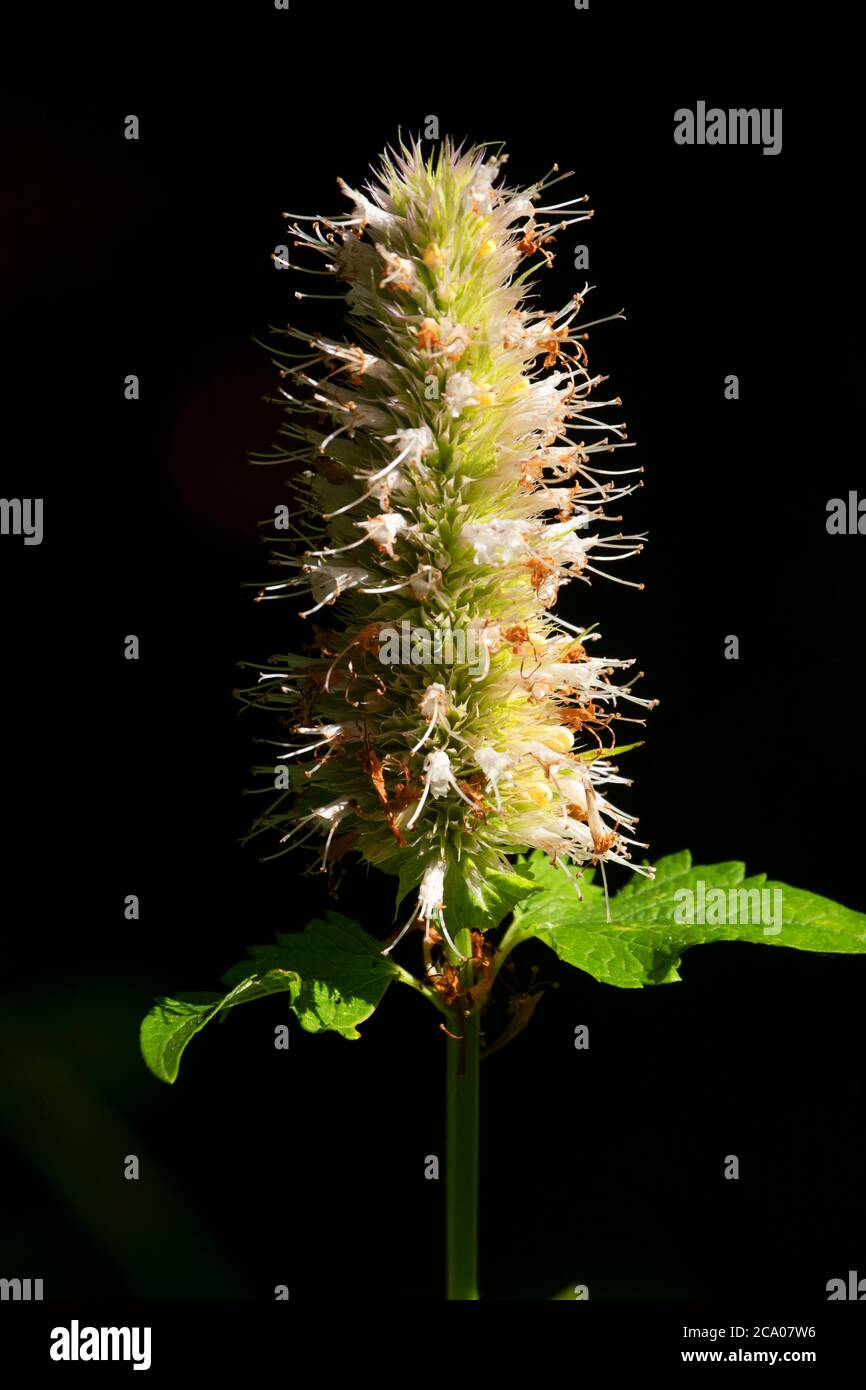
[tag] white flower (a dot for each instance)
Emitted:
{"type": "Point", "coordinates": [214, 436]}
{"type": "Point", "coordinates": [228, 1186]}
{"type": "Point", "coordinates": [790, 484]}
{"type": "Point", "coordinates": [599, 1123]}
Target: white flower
{"type": "Point", "coordinates": [438, 781]}
{"type": "Point", "coordinates": [440, 778]}
{"type": "Point", "coordinates": [544, 836]}
{"type": "Point", "coordinates": [327, 582]}
{"type": "Point", "coordinates": [460, 392]}
{"type": "Point", "coordinates": [431, 891]}
{"type": "Point", "coordinates": [434, 707]}
{"type": "Point", "coordinates": [370, 214]}
{"type": "Point", "coordinates": [542, 408]}
{"type": "Point", "coordinates": [496, 768]}
{"type": "Point", "coordinates": [548, 758]}
{"type": "Point", "coordinates": [449, 338]}
{"type": "Point", "coordinates": [430, 904]}
{"type": "Point", "coordinates": [414, 444]}
{"type": "Point", "coordinates": [498, 542]}
{"type": "Point", "coordinates": [327, 734]}
{"type": "Point", "coordinates": [358, 362]}
{"type": "Point", "coordinates": [486, 634]}
{"type": "Point", "coordinates": [434, 701]}
{"type": "Point", "coordinates": [331, 815]}
{"type": "Point", "coordinates": [399, 271]}
{"type": "Point", "coordinates": [481, 196]}
{"type": "Point", "coordinates": [383, 530]}
{"type": "Point", "coordinates": [569, 550]}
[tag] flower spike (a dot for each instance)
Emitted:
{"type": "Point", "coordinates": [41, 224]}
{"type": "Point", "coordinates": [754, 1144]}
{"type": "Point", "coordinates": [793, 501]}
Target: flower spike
{"type": "Point", "coordinates": [457, 431]}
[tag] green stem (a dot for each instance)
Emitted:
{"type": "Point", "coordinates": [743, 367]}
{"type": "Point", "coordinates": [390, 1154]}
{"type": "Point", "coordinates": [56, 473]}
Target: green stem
{"type": "Point", "coordinates": [461, 1160]}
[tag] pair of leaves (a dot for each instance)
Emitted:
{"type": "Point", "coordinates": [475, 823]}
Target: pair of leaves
{"type": "Point", "coordinates": [645, 939]}
{"type": "Point", "coordinates": [335, 975]}
{"type": "Point", "coordinates": [333, 972]}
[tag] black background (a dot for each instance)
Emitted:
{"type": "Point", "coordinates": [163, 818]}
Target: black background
{"type": "Point", "coordinates": [306, 1168]}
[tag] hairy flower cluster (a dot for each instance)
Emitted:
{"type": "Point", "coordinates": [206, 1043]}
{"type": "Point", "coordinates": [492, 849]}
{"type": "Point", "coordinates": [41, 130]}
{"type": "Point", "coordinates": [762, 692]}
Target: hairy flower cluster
{"type": "Point", "coordinates": [449, 477]}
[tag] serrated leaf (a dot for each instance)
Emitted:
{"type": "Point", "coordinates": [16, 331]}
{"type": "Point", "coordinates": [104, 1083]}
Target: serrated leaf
{"type": "Point", "coordinates": [343, 974]}
{"type": "Point", "coordinates": [546, 876]}
{"type": "Point", "coordinates": [650, 928]}
{"type": "Point", "coordinates": [333, 972]}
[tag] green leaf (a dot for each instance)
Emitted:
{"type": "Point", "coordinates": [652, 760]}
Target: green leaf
{"type": "Point", "coordinates": [172, 1023]}
{"type": "Point", "coordinates": [333, 972]}
{"type": "Point", "coordinates": [654, 921]}
{"type": "Point", "coordinates": [479, 897]}
{"type": "Point", "coordinates": [343, 974]}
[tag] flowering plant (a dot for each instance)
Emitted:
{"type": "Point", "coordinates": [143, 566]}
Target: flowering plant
{"type": "Point", "coordinates": [451, 474]}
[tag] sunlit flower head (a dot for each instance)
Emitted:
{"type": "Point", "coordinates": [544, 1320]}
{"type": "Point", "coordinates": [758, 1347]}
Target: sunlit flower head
{"type": "Point", "coordinates": [450, 465]}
